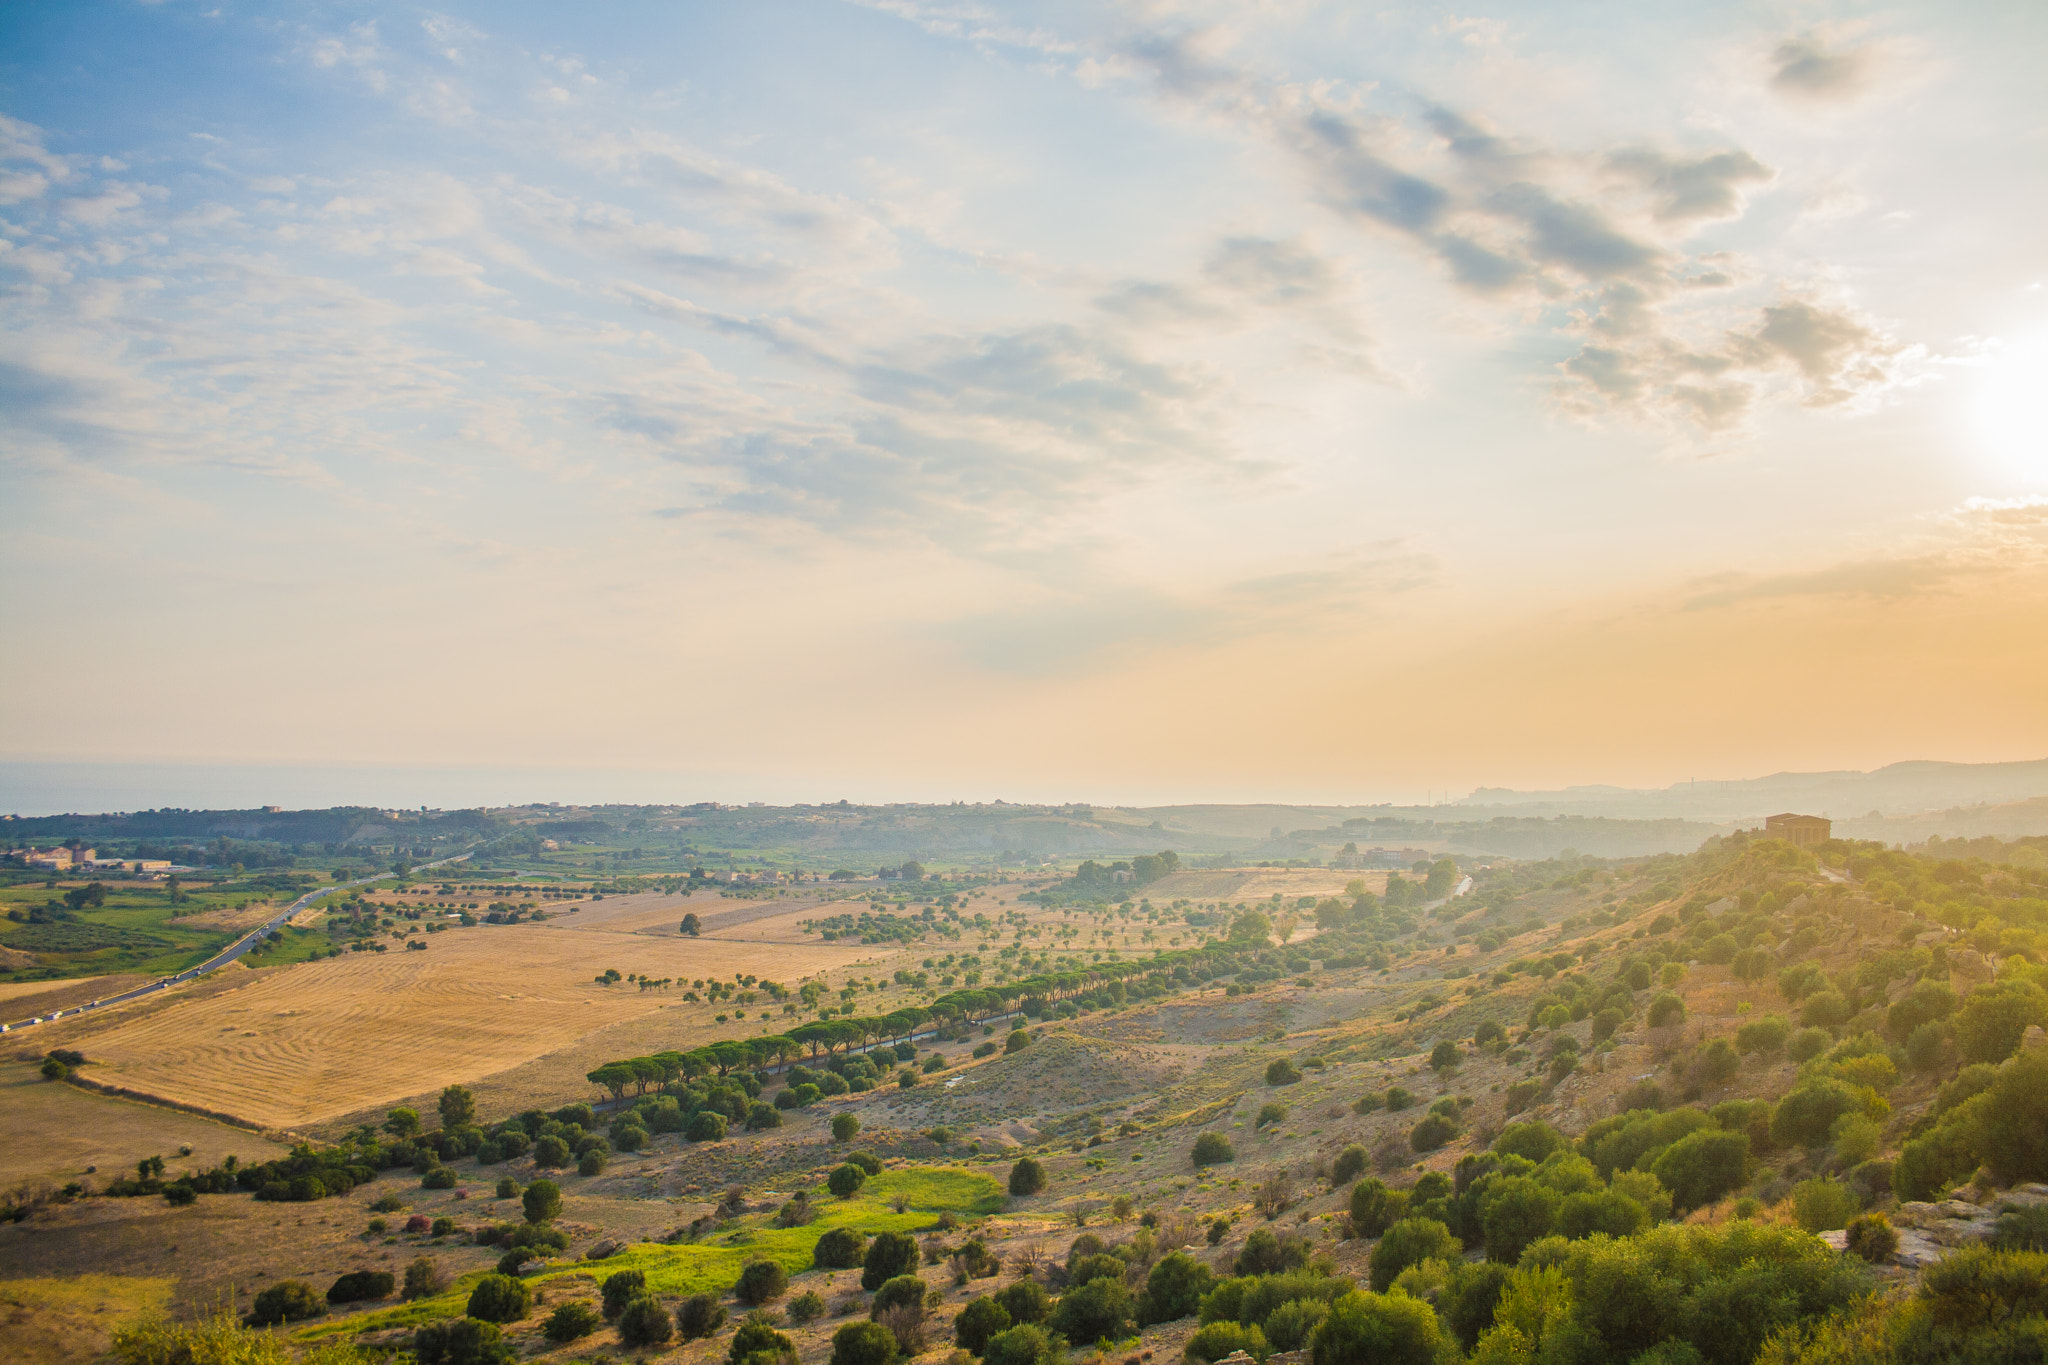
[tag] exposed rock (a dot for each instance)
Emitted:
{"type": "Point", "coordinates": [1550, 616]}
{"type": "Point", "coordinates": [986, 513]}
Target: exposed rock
{"type": "Point", "coordinates": [2035, 1036]}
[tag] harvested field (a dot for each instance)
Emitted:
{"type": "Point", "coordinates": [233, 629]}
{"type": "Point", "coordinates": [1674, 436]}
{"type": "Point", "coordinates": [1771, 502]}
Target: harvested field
{"type": "Point", "coordinates": [325, 1039]}
{"type": "Point", "coordinates": [55, 1131]}
{"type": "Point", "coordinates": [20, 999]}
{"type": "Point", "coordinates": [1259, 883]}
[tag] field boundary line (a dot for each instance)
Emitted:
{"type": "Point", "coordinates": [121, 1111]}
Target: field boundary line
{"type": "Point", "coordinates": [122, 1092]}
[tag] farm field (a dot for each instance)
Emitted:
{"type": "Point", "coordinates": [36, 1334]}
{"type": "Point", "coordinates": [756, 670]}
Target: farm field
{"type": "Point", "coordinates": [55, 1132]}
{"type": "Point", "coordinates": [325, 1039]}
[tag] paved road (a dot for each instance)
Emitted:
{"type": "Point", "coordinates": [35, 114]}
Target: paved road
{"type": "Point", "coordinates": [232, 953]}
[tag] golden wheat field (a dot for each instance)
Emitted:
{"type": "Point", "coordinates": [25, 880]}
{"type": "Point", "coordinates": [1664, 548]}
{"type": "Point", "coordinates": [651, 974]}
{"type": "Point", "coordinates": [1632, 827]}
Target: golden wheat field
{"type": "Point", "coordinates": [298, 1047]}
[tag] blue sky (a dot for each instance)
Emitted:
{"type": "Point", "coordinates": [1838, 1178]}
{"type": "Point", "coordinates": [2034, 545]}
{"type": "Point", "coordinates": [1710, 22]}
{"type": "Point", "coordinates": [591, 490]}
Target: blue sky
{"type": "Point", "coordinates": [1149, 400]}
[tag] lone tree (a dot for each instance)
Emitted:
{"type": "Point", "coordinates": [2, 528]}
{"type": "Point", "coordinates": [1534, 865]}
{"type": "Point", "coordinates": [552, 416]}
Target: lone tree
{"type": "Point", "coordinates": [692, 925]}
{"type": "Point", "coordinates": [1445, 1057]}
{"type": "Point", "coordinates": [458, 1107]}
{"type": "Point", "coordinates": [845, 1127]}
{"type": "Point", "coordinates": [846, 1180]}
{"type": "Point", "coordinates": [1212, 1149]}
{"type": "Point", "coordinates": [542, 1201]}
{"type": "Point", "coordinates": [1027, 1178]}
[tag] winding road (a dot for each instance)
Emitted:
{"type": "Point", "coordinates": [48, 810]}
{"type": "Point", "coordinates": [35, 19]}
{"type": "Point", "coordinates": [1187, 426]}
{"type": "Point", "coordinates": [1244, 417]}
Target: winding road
{"type": "Point", "coordinates": [232, 953]}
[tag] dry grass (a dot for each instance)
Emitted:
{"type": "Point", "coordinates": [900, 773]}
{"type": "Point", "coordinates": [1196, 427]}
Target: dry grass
{"type": "Point", "coordinates": [20, 999]}
{"type": "Point", "coordinates": [55, 1131]}
{"type": "Point", "coordinates": [1259, 883]}
{"type": "Point", "coordinates": [326, 1039]}
{"type": "Point", "coordinates": [47, 1319]}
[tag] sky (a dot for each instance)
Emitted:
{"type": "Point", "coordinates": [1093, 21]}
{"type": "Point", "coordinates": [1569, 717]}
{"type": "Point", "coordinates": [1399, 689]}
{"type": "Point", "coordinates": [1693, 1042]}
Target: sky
{"type": "Point", "coordinates": [1115, 401]}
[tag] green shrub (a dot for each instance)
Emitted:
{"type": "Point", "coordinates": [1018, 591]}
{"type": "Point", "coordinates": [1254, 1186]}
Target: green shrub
{"type": "Point", "coordinates": [423, 1279]}
{"type": "Point", "coordinates": [1212, 1149]}
{"type": "Point", "coordinates": [285, 1301]}
{"type": "Point", "coordinates": [979, 1320]}
{"type": "Point", "coordinates": [1027, 1178]}
{"type": "Point", "coordinates": [806, 1308]}
{"type": "Point", "coordinates": [1270, 1113]}
{"type": "Point", "coordinates": [552, 1152]}
{"type": "Point", "coordinates": [1099, 1310]}
{"type": "Point", "coordinates": [621, 1288]}
{"type": "Point", "coordinates": [1017, 1041]}
{"type": "Point", "coordinates": [1289, 1326]}
{"type": "Point", "coordinates": [571, 1322]}
{"type": "Point", "coordinates": [903, 1291]}
{"type": "Point", "coordinates": [1350, 1164]}
{"type": "Point", "coordinates": [499, 1298]}
{"type": "Point", "coordinates": [1826, 1009]}
{"type": "Point", "coordinates": [1806, 1117]}
{"type": "Point", "coordinates": [1025, 1301]}
{"type": "Point", "coordinates": [1822, 1204]}
{"type": "Point", "coordinates": [761, 1282]}
{"type": "Point", "coordinates": [1515, 1211]}
{"type": "Point", "coordinates": [1665, 1010]}
{"type": "Point", "coordinates": [1701, 1167]}
{"type": "Point", "coordinates": [1871, 1237]}
{"type": "Point", "coordinates": [1398, 1099]}
{"type": "Point", "coordinates": [542, 1200]}
{"type": "Point", "coordinates": [2011, 1123]}
{"type": "Point", "coordinates": [1280, 1071]}
{"type": "Point", "coordinates": [1767, 1034]}
{"type": "Point", "coordinates": [440, 1178]}
{"type": "Point", "coordinates": [1532, 1141]}
{"type": "Point", "coordinates": [846, 1180]}
{"type": "Point", "coordinates": [461, 1341]}
{"type": "Point", "coordinates": [1174, 1288]}
{"type": "Point", "coordinates": [1375, 1208]}
{"type": "Point", "coordinates": [699, 1316]}
{"type": "Point", "coordinates": [1608, 1211]}
{"type": "Point", "coordinates": [758, 1342]}
{"type": "Point", "coordinates": [1433, 1132]}
{"type": "Point", "coordinates": [1381, 1329]}
{"type": "Point", "coordinates": [863, 1343]}
{"type": "Point", "coordinates": [360, 1285]}
{"type": "Point", "coordinates": [1808, 1044]}
{"type": "Point", "coordinates": [1024, 1344]}
{"type": "Point", "coordinates": [839, 1249]}
{"type": "Point", "coordinates": [1993, 1019]}
{"type": "Point", "coordinates": [867, 1161]}
{"type": "Point", "coordinates": [1410, 1242]}
{"type": "Point", "coordinates": [2022, 1229]}
{"type": "Point", "coordinates": [592, 1162]}
{"type": "Point", "coordinates": [845, 1127]}
{"type": "Point", "coordinates": [645, 1323]}
{"type": "Point", "coordinates": [508, 1188]}
{"type": "Point", "coordinates": [1220, 1339]}
{"type": "Point", "coordinates": [706, 1125]}
{"type": "Point", "coordinates": [889, 1255]}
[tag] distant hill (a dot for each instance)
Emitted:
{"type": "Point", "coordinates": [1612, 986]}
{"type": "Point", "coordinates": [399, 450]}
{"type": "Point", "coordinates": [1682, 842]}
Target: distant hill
{"type": "Point", "coordinates": [1898, 789]}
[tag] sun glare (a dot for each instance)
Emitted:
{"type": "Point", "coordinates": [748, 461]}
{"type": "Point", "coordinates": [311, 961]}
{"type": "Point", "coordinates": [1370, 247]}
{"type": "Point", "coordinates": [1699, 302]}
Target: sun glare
{"type": "Point", "coordinates": [2012, 408]}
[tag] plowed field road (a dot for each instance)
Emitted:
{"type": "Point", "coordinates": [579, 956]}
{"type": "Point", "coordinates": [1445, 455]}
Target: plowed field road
{"type": "Point", "coordinates": [231, 954]}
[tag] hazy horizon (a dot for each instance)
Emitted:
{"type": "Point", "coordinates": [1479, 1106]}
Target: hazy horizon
{"type": "Point", "coordinates": [1128, 400]}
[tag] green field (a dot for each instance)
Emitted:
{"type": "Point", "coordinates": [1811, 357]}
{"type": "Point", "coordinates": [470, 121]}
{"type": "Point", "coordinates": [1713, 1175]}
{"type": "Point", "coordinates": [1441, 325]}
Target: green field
{"type": "Point", "coordinates": [139, 927]}
{"type": "Point", "coordinates": [713, 1265]}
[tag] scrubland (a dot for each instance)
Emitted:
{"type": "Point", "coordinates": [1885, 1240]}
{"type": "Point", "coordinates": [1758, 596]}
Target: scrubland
{"type": "Point", "coordinates": [1678, 1106]}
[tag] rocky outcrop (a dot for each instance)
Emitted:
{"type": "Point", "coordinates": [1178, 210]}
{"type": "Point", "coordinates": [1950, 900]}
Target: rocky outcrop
{"type": "Point", "coordinates": [1930, 1231]}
